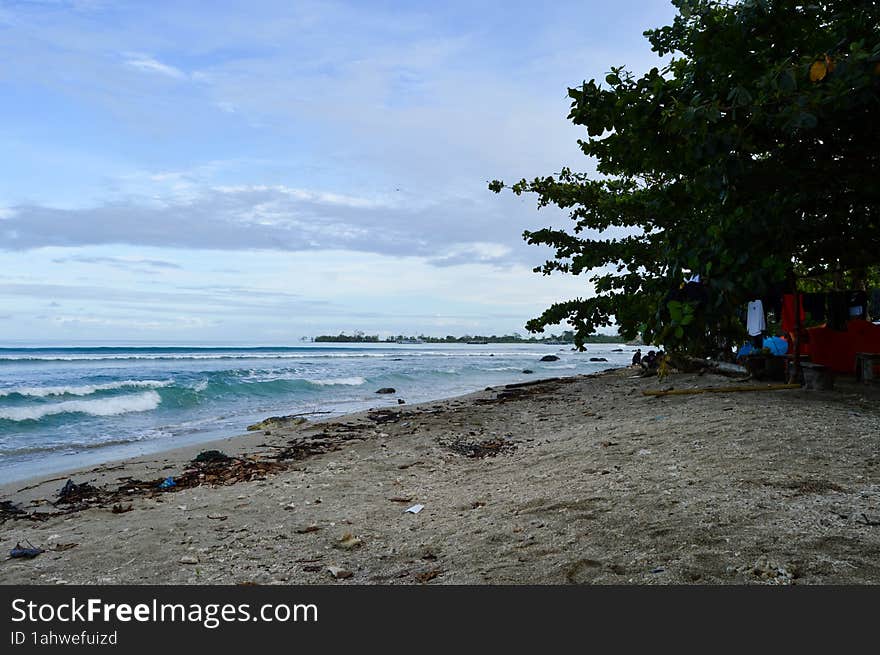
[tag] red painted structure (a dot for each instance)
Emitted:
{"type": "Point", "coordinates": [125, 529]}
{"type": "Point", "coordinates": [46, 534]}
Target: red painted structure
{"type": "Point", "coordinates": [837, 350]}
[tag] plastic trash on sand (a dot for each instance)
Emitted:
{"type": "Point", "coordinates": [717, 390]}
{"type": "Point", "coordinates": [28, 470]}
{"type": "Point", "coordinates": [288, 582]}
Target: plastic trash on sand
{"type": "Point", "coordinates": [415, 509]}
{"type": "Point", "coordinates": [67, 489]}
{"type": "Point", "coordinates": [167, 483]}
{"type": "Point", "coordinates": [25, 552]}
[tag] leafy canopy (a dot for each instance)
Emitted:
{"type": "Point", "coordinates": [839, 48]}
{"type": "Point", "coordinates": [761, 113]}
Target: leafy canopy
{"type": "Point", "coordinates": [750, 156]}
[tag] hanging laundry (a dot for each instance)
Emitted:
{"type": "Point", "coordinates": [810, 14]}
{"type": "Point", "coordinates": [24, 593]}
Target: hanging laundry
{"type": "Point", "coordinates": [755, 323]}
{"type": "Point", "coordinates": [788, 321]}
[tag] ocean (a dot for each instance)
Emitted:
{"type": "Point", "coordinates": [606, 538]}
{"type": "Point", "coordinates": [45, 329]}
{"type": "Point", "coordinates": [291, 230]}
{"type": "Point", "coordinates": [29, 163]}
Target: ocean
{"type": "Point", "coordinates": [62, 408]}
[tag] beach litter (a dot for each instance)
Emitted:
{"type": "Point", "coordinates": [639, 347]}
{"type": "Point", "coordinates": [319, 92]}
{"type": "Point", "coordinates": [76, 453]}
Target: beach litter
{"type": "Point", "coordinates": [208, 456]}
{"type": "Point", "coordinates": [768, 571]}
{"type": "Point", "coordinates": [299, 449]}
{"type": "Point", "coordinates": [427, 576]}
{"type": "Point", "coordinates": [415, 509]}
{"type": "Point", "coordinates": [349, 542]}
{"type": "Point", "coordinates": [226, 472]}
{"type": "Point", "coordinates": [217, 471]}
{"type": "Point", "coordinates": [9, 509]}
{"type": "Point", "coordinates": [731, 389]}
{"type": "Point", "coordinates": [384, 416]}
{"type": "Point", "coordinates": [479, 449]}
{"type": "Point", "coordinates": [72, 492]}
{"type": "Point", "coordinates": [290, 420]}
{"type": "Point", "coordinates": [25, 552]}
{"type": "Point", "coordinates": [67, 489]}
{"type": "Point", "coordinates": [339, 573]}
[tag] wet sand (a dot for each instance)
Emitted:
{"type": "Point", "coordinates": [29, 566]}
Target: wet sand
{"type": "Point", "coordinates": [581, 480]}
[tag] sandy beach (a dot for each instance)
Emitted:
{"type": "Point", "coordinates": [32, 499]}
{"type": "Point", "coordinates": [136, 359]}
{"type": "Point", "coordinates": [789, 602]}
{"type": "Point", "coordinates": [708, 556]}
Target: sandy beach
{"type": "Point", "coordinates": [581, 480]}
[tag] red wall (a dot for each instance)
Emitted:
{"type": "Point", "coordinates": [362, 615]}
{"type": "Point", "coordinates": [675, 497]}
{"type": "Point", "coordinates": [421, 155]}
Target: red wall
{"type": "Point", "coordinates": [837, 350]}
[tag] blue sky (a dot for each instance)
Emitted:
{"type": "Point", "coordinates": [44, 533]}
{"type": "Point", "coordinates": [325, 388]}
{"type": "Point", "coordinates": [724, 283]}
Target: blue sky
{"type": "Point", "coordinates": [234, 172]}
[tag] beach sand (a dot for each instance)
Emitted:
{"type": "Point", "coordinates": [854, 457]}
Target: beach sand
{"type": "Point", "coordinates": [585, 480]}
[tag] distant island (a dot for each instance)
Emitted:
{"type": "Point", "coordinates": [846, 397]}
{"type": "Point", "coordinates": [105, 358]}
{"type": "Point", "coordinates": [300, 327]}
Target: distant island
{"type": "Point", "coordinates": [566, 338]}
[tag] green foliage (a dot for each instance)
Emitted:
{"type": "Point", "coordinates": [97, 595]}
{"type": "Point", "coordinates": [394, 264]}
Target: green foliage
{"type": "Point", "coordinates": [752, 153]}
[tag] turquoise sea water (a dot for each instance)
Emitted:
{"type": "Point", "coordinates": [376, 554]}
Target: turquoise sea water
{"type": "Point", "coordinates": [67, 407]}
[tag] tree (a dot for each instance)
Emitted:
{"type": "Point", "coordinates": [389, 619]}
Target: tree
{"type": "Point", "coordinates": [750, 158]}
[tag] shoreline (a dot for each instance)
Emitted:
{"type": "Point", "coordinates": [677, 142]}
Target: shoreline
{"type": "Point", "coordinates": [146, 405]}
{"type": "Point", "coordinates": [579, 480]}
{"type": "Point", "coordinates": [243, 444]}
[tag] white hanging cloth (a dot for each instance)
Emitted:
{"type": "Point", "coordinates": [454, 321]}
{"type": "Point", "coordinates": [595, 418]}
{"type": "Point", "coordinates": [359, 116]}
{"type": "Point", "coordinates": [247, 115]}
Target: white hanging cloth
{"type": "Point", "coordinates": [755, 323]}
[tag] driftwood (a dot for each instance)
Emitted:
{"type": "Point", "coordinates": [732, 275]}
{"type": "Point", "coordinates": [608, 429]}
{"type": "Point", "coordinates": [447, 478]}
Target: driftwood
{"type": "Point", "coordinates": [689, 364]}
{"type": "Point", "coordinates": [689, 392]}
{"type": "Point", "coordinates": [530, 383]}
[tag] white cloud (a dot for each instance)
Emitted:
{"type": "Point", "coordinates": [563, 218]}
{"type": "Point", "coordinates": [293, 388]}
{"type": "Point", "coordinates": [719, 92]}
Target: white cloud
{"type": "Point", "coordinates": [480, 252]}
{"type": "Point", "coordinates": [151, 65]}
{"type": "Point", "coordinates": [447, 230]}
{"type": "Point", "coordinates": [119, 262]}
{"type": "Point", "coordinates": [171, 323]}
{"type": "Point", "coordinates": [266, 294]}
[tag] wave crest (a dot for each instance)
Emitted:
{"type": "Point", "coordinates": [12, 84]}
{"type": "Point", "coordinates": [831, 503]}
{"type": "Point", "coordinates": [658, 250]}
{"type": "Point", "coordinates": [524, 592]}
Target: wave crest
{"type": "Point", "coordinates": [82, 390]}
{"type": "Point", "coordinates": [329, 382]}
{"type": "Point", "coordinates": [139, 402]}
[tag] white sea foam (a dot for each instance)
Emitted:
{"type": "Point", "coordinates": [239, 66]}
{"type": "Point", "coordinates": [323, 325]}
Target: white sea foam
{"type": "Point", "coordinates": [82, 390]}
{"type": "Point", "coordinates": [352, 381]}
{"type": "Point", "coordinates": [316, 353]}
{"type": "Point", "coordinates": [139, 402]}
{"type": "Point", "coordinates": [161, 357]}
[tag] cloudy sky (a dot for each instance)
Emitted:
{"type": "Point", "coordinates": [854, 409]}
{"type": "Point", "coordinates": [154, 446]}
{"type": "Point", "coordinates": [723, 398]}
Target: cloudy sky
{"type": "Point", "coordinates": [254, 172]}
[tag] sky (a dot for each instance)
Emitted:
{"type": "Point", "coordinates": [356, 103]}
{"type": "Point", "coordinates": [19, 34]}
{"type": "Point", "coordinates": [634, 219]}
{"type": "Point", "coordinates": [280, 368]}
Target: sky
{"type": "Point", "coordinates": [258, 172]}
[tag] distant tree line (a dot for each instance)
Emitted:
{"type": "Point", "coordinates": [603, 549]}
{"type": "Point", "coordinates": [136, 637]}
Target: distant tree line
{"type": "Point", "coordinates": [566, 337]}
{"type": "Point", "coordinates": [357, 337]}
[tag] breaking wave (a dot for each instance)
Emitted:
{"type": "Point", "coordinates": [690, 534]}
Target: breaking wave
{"type": "Point", "coordinates": [329, 382]}
{"type": "Point", "coordinates": [140, 402]}
{"type": "Point", "coordinates": [82, 390]}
